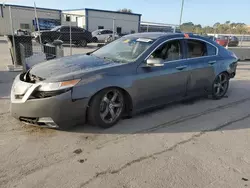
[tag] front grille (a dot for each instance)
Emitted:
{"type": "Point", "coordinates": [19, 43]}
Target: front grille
{"type": "Point", "coordinates": [19, 96]}
{"type": "Point", "coordinates": [46, 94]}
{"type": "Point", "coordinates": [27, 77]}
{"type": "Point", "coordinates": [29, 120]}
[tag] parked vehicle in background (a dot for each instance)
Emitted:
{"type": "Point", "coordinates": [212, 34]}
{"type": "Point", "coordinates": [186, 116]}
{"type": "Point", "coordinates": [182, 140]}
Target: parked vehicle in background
{"type": "Point", "coordinates": [79, 36]}
{"type": "Point", "coordinates": [124, 77]}
{"type": "Point", "coordinates": [233, 41]}
{"type": "Point", "coordinates": [101, 35]}
{"type": "Point", "coordinates": [111, 38]}
{"type": "Point", "coordinates": [22, 32]}
{"type": "Point", "coordinates": [222, 40]}
{"type": "Point", "coordinates": [213, 38]}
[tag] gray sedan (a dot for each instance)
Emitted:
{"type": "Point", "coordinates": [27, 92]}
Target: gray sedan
{"type": "Point", "coordinates": [127, 76]}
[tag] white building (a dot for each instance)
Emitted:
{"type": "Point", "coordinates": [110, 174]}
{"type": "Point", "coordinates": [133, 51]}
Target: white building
{"type": "Point", "coordinates": [93, 19]}
{"type": "Point", "coordinates": [23, 17]}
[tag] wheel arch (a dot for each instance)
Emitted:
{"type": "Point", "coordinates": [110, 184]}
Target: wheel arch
{"type": "Point", "coordinates": [226, 72]}
{"type": "Point", "coordinates": [128, 99]}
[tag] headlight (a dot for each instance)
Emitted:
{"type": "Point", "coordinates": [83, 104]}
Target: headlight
{"type": "Point", "coordinates": [58, 85]}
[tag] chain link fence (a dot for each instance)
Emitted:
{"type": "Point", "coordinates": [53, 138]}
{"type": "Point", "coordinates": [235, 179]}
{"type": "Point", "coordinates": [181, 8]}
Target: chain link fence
{"type": "Point", "coordinates": [79, 33]}
{"type": "Point", "coordinates": [25, 49]}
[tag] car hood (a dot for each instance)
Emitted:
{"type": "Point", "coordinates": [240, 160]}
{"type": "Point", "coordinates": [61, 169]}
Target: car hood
{"type": "Point", "coordinates": [71, 67]}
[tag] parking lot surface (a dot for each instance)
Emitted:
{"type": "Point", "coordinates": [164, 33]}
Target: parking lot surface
{"type": "Point", "coordinates": [198, 143]}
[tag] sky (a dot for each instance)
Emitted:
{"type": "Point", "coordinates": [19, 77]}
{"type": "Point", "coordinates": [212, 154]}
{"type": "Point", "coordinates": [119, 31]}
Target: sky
{"type": "Point", "coordinates": [204, 12]}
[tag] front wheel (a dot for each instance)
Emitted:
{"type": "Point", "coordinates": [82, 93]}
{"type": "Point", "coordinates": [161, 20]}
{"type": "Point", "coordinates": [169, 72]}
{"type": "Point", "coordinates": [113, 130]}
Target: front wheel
{"type": "Point", "coordinates": [82, 43]}
{"type": "Point", "coordinates": [106, 108]}
{"type": "Point", "coordinates": [220, 86]}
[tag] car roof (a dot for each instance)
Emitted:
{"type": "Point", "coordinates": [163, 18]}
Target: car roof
{"type": "Point", "coordinates": [158, 35]}
{"type": "Point", "coordinates": [153, 35]}
{"type": "Point", "coordinates": [103, 30]}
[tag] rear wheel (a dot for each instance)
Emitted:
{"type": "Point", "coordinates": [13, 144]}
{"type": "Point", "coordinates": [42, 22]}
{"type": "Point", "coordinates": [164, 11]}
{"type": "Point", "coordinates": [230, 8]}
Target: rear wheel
{"type": "Point", "coordinates": [106, 108]}
{"type": "Point", "coordinates": [220, 86]}
{"type": "Point", "coordinates": [83, 43]}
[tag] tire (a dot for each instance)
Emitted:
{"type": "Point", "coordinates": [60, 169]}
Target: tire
{"type": "Point", "coordinates": [220, 86]}
{"type": "Point", "coordinates": [83, 43]}
{"type": "Point", "coordinates": [94, 39]}
{"type": "Point", "coordinates": [103, 105]}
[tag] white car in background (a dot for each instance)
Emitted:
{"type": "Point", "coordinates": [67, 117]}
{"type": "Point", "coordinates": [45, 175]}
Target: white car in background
{"type": "Point", "coordinates": [101, 35]}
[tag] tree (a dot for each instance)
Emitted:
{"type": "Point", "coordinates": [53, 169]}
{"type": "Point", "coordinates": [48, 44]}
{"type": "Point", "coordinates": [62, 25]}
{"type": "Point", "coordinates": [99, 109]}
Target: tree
{"type": "Point", "coordinates": [188, 27]}
{"type": "Point", "coordinates": [125, 10]}
{"type": "Point", "coordinates": [226, 28]}
{"type": "Point", "coordinates": [216, 24]}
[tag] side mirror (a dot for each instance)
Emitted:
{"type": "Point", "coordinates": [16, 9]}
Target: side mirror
{"type": "Point", "coordinates": [155, 62]}
{"type": "Point", "coordinates": [99, 33]}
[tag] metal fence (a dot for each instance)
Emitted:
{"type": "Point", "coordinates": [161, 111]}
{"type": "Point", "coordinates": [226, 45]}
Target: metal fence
{"type": "Point", "coordinates": [77, 36]}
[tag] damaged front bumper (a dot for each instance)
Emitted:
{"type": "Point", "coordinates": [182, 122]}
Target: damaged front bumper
{"type": "Point", "coordinates": [58, 111]}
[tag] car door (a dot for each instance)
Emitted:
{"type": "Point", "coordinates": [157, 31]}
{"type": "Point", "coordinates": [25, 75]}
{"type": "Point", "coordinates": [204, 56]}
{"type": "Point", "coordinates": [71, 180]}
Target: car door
{"type": "Point", "coordinates": [77, 34]}
{"type": "Point", "coordinates": [159, 85]}
{"type": "Point", "coordinates": [65, 34]}
{"type": "Point", "coordinates": [103, 35]}
{"type": "Point", "coordinates": [201, 58]}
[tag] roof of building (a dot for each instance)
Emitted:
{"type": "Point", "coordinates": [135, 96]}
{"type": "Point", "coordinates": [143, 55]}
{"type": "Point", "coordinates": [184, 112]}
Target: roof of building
{"type": "Point", "coordinates": [21, 6]}
{"type": "Point", "coordinates": [98, 10]}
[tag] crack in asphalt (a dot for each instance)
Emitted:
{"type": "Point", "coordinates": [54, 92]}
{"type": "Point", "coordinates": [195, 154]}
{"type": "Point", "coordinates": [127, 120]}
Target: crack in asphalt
{"type": "Point", "coordinates": [178, 120]}
{"type": "Point", "coordinates": [159, 126]}
{"type": "Point", "coordinates": [192, 116]}
{"type": "Point", "coordinates": [151, 156]}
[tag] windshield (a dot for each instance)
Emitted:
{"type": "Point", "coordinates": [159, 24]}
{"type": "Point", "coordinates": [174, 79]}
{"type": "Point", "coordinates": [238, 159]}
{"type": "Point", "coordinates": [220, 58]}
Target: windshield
{"type": "Point", "coordinates": [124, 50]}
{"type": "Point", "coordinates": [55, 28]}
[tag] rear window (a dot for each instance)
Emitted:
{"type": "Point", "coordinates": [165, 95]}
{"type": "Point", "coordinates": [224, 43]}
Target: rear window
{"type": "Point", "coordinates": [222, 37]}
{"type": "Point", "coordinates": [196, 48]}
{"type": "Point", "coordinates": [211, 50]}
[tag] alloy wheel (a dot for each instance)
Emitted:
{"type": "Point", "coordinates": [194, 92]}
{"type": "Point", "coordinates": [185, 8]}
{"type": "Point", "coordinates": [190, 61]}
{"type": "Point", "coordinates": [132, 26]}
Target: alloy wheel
{"type": "Point", "coordinates": [220, 85]}
{"type": "Point", "coordinates": [111, 106]}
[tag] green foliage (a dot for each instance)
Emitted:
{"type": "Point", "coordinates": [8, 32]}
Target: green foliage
{"type": "Point", "coordinates": [226, 28]}
{"type": "Point", "coordinates": [125, 10]}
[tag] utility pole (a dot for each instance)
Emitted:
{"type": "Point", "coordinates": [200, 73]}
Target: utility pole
{"type": "Point", "coordinates": [182, 5]}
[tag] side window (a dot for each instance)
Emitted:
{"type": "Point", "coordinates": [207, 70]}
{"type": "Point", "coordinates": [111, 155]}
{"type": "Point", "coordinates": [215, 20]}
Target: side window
{"type": "Point", "coordinates": [196, 48]}
{"type": "Point", "coordinates": [211, 50]}
{"type": "Point", "coordinates": [109, 32]}
{"type": "Point", "coordinates": [103, 32]}
{"type": "Point", "coordinates": [169, 51]}
{"type": "Point", "coordinates": [64, 29]}
{"type": "Point", "coordinates": [74, 29]}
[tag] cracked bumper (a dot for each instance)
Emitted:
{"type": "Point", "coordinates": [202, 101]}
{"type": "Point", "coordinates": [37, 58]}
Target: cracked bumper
{"type": "Point", "coordinates": [55, 111]}
{"type": "Point", "coordinates": [61, 109]}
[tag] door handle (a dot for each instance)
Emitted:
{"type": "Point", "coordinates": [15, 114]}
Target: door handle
{"type": "Point", "coordinates": [211, 62]}
{"type": "Point", "coordinates": [181, 67]}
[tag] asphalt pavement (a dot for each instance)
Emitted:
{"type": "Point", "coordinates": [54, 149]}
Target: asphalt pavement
{"type": "Point", "coordinates": [198, 143]}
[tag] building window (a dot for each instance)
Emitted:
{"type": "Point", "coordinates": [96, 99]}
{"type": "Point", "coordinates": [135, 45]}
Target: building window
{"type": "Point", "coordinates": [119, 30]}
{"type": "Point", "coordinates": [76, 21]}
{"type": "Point", "coordinates": [67, 18]}
{"type": "Point", "coordinates": [24, 26]}
{"type": "Point", "coordinates": [100, 27]}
